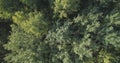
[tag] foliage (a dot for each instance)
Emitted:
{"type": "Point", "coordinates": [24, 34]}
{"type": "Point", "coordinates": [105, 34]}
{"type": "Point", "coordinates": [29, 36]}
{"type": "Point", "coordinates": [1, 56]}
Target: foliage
{"type": "Point", "coordinates": [60, 31]}
{"type": "Point", "coordinates": [27, 48]}
{"type": "Point", "coordinates": [35, 4]}
{"type": "Point", "coordinates": [33, 23]}
{"type": "Point", "coordinates": [65, 7]}
{"type": "Point", "coordinates": [7, 7]}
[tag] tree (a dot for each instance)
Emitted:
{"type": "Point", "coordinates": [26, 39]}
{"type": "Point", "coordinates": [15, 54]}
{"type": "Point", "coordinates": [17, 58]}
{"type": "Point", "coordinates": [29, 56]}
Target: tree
{"type": "Point", "coordinates": [62, 31]}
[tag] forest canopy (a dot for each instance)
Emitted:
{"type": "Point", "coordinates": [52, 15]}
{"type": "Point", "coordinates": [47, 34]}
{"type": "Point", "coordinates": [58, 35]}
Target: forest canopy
{"type": "Point", "coordinates": [59, 31]}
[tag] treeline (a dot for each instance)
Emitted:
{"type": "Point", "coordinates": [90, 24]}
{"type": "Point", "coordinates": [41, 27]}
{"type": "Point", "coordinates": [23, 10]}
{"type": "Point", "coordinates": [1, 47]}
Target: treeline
{"type": "Point", "coordinates": [59, 31]}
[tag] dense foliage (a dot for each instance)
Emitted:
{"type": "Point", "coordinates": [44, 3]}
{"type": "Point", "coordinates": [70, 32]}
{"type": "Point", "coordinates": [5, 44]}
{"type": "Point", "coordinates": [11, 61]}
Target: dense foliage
{"type": "Point", "coordinates": [59, 31]}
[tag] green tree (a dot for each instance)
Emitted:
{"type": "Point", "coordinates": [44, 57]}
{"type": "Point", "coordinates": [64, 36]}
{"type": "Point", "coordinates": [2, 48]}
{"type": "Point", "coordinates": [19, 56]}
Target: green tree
{"type": "Point", "coordinates": [62, 31]}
